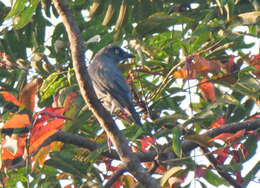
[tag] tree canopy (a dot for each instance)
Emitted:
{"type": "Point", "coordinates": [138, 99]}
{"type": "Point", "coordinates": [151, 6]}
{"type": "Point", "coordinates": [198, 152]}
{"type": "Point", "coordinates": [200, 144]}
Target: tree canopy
{"type": "Point", "coordinates": [195, 81]}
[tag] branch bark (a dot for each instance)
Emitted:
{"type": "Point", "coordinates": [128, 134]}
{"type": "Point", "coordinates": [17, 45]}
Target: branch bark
{"type": "Point", "coordinates": [78, 58]}
{"type": "Point", "coordinates": [187, 146]}
{"type": "Point", "coordinates": [215, 163]}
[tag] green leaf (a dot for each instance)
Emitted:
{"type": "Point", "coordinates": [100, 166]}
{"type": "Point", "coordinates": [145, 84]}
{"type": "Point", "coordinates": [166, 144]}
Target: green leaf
{"type": "Point", "coordinates": [17, 8]}
{"type": "Point", "coordinates": [213, 179]}
{"type": "Point", "coordinates": [156, 24]}
{"type": "Point", "coordinates": [176, 141]}
{"type": "Point", "coordinates": [25, 16]}
{"type": "Point", "coordinates": [52, 85]}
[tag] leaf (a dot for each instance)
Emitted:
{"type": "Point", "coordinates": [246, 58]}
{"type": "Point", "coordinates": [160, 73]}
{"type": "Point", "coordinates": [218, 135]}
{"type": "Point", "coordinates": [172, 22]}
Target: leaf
{"type": "Point", "coordinates": [40, 156]}
{"type": "Point", "coordinates": [219, 122]}
{"type": "Point", "coordinates": [176, 141]}
{"type": "Point", "coordinates": [170, 173]}
{"type": "Point", "coordinates": [42, 128]}
{"type": "Point", "coordinates": [28, 93]}
{"type": "Point", "coordinates": [26, 15]}
{"type": "Point", "coordinates": [208, 90]}
{"type": "Point", "coordinates": [229, 137]}
{"type": "Point", "coordinates": [146, 142]}
{"type": "Point", "coordinates": [37, 143]}
{"type": "Point", "coordinates": [17, 8]}
{"type": "Point", "coordinates": [183, 73]}
{"type": "Point", "coordinates": [17, 121]}
{"type": "Point", "coordinates": [6, 154]}
{"type": "Point", "coordinates": [213, 179]}
{"type": "Point", "coordinates": [51, 86]}
{"type": "Point", "coordinates": [11, 98]}
{"type": "Point", "coordinates": [203, 65]}
{"type": "Point", "coordinates": [157, 23]}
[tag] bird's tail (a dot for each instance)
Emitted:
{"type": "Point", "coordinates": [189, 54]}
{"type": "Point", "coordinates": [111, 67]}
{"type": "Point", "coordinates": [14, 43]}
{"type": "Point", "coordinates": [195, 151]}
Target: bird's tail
{"type": "Point", "coordinates": [135, 116]}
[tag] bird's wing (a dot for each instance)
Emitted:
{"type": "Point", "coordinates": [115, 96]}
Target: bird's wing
{"type": "Point", "coordinates": [112, 81]}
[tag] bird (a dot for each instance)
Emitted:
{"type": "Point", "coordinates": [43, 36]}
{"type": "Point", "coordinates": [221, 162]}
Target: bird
{"type": "Point", "coordinates": [108, 82]}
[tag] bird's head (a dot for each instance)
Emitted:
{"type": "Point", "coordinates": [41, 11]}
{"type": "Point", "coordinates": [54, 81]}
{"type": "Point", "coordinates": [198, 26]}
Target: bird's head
{"type": "Point", "coordinates": [116, 53]}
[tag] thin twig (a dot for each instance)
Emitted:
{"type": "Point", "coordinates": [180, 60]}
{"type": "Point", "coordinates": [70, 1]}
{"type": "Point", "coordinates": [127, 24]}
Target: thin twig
{"type": "Point", "coordinates": [115, 177]}
{"type": "Point", "coordinates": [215, 163]}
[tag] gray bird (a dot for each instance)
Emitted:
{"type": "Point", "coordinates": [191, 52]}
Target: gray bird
{"type": "Point", "coordinates": [109, 84]}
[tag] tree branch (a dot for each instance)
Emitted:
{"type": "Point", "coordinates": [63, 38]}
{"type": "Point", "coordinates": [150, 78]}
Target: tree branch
{"type": "Point", "coordinates": [104, 118]}
{"type": "Point", "coordinates": [220, 171]}
{"type": "Point", "coordinates": [187, 145]}
{"type": "Point", "coordinates": [115, 177]}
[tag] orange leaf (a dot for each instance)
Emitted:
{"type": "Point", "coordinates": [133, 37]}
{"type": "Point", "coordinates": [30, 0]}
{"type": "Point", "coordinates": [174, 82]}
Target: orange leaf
{"type": "Point", "coordinates": [43, 128]}
{"type": "Point", "coordinates": [208, 90]}
{"type": "Point", "coordinates": [21, 145]}
{"type": "Point", "coordinates": [223, 136]}
{"type": "Point", "coordinates": [28, 93]}
{"type": "Point", "coordinates": [183, 73]}
{"type": "Point", "coordinates": [220, 121]}
{"type": "Point", "coordinates": [37, 143]}
{"type": "Point", "coordinates": [9, 97]}
{"type": "Point", "coordinates": [6, 154]}
{"type": "Point", "coordinates": [17, 121]}
{"type": "Point", "coordinates": [40, 156]}
{"type": "Point", "coordinates": [229, 137]}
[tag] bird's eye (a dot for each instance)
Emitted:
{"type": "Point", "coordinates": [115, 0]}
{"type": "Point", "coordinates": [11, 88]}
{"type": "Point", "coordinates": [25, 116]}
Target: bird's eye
{"type": "Point", "coordinates": [117, 52]}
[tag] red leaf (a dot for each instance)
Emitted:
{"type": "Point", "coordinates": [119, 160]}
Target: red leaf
{"type": "Point", "coordinates": [222, 154]}
{"type": "Point", "coordinates": [146, 142]}
{"type": "Point", "coordinates": [255, 59]}
{"type": "Point", "coordinates": [236, 156]}
{"type": "Point", "coordinates": [208, 90]}
{"type": "Point", "coordinates": [11, 98]}
{"type": "Point", "coordinates": [69, 99]}
{"type": "Point", "coordinates": [220, 121]}
{"type": "Point", "coordinates": [17, 121]}
{"type": "Point", "coordinates": [117, 184]}
{"type": "Point", "coordinates": [50, 112]}
{"type": "Point", "coordinates": [199, 172]}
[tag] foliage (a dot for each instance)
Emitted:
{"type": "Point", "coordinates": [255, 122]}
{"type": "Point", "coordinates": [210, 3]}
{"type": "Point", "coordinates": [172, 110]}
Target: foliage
{"type": "Point", "coordinates": [186, 52]}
